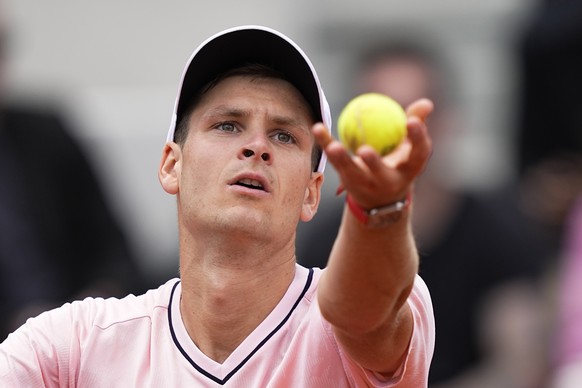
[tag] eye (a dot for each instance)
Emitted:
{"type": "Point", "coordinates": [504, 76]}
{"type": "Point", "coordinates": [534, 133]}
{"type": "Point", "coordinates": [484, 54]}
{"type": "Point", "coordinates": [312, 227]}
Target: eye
{"type": "Point", "coordinates": [226, 126]}
{"type": "Point", "coordinates": [284, 137]}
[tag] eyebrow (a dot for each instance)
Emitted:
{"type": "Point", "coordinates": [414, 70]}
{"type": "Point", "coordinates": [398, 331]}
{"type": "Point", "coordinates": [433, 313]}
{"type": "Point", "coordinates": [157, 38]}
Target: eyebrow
{"type": "Point", "coordinates": [223, 111]}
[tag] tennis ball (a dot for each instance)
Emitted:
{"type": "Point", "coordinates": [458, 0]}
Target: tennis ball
{"type": "Point", "coordinates": [373, 119]}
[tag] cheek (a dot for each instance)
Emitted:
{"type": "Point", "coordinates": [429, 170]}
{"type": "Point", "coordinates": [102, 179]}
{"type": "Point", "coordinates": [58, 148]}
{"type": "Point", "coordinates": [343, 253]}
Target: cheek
{"type": "Point", "coordinates": [295, 199]}
{"type": "Point", "coordinates": [298, 187]}
{"type": "Point", "coordinates": [192, 176]}
{"type": "Point", "coordinates": [195, 155]}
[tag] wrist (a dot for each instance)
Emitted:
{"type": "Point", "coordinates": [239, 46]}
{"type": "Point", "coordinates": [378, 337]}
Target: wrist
{"type": "Point", "coordinates": [379, 216]}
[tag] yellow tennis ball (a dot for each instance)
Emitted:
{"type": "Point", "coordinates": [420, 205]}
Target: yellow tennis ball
{"type": "Point", "coordinates": [373, 119]}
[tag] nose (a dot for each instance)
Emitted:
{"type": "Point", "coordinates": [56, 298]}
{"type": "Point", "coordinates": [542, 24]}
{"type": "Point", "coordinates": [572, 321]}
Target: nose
{"type": "Point", "coordinates": [247, 153]}
{"type": "Point", "coordinates": [257, 147]}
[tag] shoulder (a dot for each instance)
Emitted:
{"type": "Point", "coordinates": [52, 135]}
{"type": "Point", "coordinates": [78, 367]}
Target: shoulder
{"type": "Point", "coordinates": [55, 344]}
{"type": "Point", "coordinates": [102, 313]}
{"type": "Point", "coordinates": [81, 318]}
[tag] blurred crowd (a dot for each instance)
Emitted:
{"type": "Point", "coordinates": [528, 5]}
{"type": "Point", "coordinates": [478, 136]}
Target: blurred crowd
{"type": "Point", "coordinates": [503, 265]}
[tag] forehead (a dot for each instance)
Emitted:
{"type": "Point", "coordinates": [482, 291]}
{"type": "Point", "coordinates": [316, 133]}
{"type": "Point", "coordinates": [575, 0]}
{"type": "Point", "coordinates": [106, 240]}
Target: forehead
{"type": "Point", "coordinates": [274, 93]}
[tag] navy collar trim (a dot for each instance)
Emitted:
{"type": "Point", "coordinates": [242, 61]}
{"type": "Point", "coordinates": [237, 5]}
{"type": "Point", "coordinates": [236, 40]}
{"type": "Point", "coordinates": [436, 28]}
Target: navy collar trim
{"type": "Point", "coordinates": [252, 353]}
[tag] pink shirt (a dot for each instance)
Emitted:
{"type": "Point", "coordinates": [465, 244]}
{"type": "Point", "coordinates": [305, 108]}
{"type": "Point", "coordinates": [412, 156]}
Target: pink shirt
{"type": "Point", "coordinates": [140, 341]}
{"type": "Point", "coordinates": [568, 333]}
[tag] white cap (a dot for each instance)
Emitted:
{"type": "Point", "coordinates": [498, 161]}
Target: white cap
{"type": "Point", "coordinates": [251, 44]}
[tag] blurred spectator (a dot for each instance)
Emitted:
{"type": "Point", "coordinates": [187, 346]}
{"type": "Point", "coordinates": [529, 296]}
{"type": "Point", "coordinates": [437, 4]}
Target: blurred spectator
{"type": "Point", "coordinates": [471, 243]}
{"type": "Point", "coordinates": [550, 60]}
{"type": "Point", "coordinates": [549, 136]}
{"type": "Point", "coordinates": [58, 237]}
{"type": "Point", "coordinates": [513, 328]}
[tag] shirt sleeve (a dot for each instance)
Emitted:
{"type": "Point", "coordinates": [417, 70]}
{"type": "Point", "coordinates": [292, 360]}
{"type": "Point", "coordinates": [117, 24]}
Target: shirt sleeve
{"type": "Point", "coordinates": [37, 353]}
{"type": "Point", "coordinates": [567, 347]}
{"type": "Point", "coordinates": [415, 368]}
{"type": "Point", "coordinates": [413, 372]}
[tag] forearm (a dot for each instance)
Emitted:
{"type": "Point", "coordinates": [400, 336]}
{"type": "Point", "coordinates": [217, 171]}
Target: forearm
{"type": "Point", "coordinates": [369, 275]}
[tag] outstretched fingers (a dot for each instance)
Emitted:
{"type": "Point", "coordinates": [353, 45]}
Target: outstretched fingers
{"type": "Point", "coordinates": [420, 108]}
{"type": "Point", "coordinates": [337, 154]}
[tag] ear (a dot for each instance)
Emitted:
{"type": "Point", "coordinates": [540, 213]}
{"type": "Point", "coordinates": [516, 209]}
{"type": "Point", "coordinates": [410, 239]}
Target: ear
{"type": "Point", "coordinates": [312, 197]}
{"type": "Point", "coordinates": [170, 168]}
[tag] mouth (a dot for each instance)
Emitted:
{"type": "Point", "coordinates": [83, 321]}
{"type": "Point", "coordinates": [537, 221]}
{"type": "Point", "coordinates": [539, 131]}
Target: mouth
{"type": "Point", "coordinates": [250, 183]}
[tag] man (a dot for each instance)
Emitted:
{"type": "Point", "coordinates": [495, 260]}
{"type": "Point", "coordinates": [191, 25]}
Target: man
{"type": "Point", "coordinates": [244, 160]}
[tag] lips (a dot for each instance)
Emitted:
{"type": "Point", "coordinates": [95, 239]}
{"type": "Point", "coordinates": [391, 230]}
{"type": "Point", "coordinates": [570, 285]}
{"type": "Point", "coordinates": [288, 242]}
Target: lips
{"type": "Point", "coordinates": [251, 181]}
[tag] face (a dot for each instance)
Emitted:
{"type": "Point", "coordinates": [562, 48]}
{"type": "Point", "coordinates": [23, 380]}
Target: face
{"type": "Point", "coordinates": [246, 164]}
{"type": "Point", "coordinates": [403, 79]}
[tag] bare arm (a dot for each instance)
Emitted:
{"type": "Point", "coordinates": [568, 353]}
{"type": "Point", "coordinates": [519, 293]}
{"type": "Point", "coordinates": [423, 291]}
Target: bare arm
{"type": "Point", "coordinates": [371, 271]}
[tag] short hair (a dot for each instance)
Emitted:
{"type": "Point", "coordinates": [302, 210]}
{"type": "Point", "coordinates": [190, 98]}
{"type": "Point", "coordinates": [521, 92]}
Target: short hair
{"type": "Point", "coordinates": [252, 70]}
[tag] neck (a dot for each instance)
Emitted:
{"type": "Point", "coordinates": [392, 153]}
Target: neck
{"type": "Point", "coordinates": [222, 283]}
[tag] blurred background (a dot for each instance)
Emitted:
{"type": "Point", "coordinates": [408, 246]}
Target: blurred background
{"type": "Point", "coordinates": [115, 67]}
{"type": "Point", "coordinates": [112, 70]}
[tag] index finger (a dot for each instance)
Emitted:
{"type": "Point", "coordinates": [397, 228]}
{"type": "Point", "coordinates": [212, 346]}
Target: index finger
{"type": "Point", "coordinates": [322, 135]}
{"type": "Point", "coordinates": [420, 108]}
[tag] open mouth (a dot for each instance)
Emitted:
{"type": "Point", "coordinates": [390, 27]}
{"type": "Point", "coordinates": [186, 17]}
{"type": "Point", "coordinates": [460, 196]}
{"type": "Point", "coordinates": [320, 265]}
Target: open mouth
{"type": "Point", "coordinates": [251, 184]}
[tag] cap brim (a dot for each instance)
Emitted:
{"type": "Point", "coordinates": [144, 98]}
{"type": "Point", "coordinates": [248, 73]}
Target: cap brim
{"type": "Point", "coordinates": [251, 44]}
